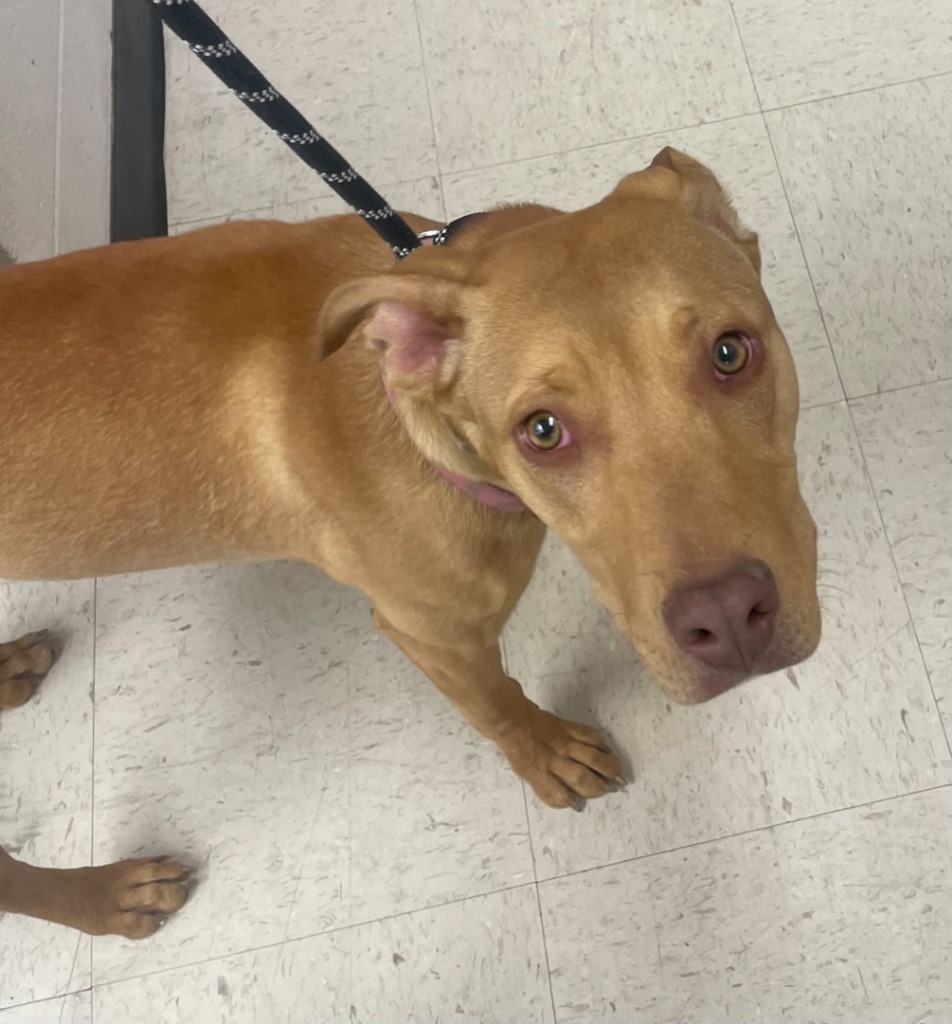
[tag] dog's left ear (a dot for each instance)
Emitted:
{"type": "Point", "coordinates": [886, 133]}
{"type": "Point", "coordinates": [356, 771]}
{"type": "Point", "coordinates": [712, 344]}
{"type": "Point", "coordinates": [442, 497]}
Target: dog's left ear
{"type": "Point", "coordinates": [672, 174]}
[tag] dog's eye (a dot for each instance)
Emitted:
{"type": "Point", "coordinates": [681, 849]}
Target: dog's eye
{"type": "Point", "coordinates": [543, 431]}
{"type": "Point", "coordinates": [731, 354]}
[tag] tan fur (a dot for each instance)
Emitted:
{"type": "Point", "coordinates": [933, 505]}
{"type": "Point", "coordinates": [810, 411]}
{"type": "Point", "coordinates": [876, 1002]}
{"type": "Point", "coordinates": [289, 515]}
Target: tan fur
{"type": "Point", "coordinates": [165, 402]}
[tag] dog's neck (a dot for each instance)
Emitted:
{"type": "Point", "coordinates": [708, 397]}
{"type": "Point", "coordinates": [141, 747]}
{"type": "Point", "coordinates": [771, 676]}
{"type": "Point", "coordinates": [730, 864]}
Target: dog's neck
{"type": "Point", "coordinates": [484, 492]}
{"type": "Point", "coordinates": [479, 490]}
{"type": "Point", "coordinates": [462, 234]}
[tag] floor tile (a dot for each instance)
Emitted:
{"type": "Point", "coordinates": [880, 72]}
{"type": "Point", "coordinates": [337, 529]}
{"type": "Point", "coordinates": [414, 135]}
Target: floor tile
{"type": "Point", "coordinates": [72, 1009]}
{"type": "Point", "coordinates": [422, 196]}
{"type": "Point", "coordinates": [868, 176]}
{"type": "Point", "coordinates": [250, 720]}
{"type": "Point", "coordinates": [857, 722]}
{"type": "Point", "coordinates": [29, 86]}
{"type": "Point", "coordinates": [802, 50]}
{"type": "Point", "coordinates": [565, 75]}
{"type": "Point", "coordinates": [479, 960]}
{"type": "Point", "coordinates": [45, 783]}
{"type": "Point", "coordinates": [907, 440]}
{"type": "Point", "coordinates": [841, 918]}
{"type": "Point", "coordinates": [739, 152]}
{"type": "Point", "coordinates": [354, 69]}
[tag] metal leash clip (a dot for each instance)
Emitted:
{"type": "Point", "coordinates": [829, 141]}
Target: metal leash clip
{"type": "Point", "coordinates": [440, 236]}
{"type": "Point", "coordinates": [435, 236]}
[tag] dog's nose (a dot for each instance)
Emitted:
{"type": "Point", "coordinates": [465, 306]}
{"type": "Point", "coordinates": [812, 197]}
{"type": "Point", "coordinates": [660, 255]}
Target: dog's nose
{"type": "Point", "coordinates": [726, 623]}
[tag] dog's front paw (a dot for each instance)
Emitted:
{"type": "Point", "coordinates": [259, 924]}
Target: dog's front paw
{"type": "Point", "coordinates": [131, 897]}
{"type": "Point", "coordinates": [564, 762]}
{"type": "Point", "coordinates": [23, 664]}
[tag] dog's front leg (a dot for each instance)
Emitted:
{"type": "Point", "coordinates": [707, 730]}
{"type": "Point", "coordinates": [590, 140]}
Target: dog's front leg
{"type": "Point", "coordinates": [564, 762]}
{"type": "Point", "coordinates": [130, 898]}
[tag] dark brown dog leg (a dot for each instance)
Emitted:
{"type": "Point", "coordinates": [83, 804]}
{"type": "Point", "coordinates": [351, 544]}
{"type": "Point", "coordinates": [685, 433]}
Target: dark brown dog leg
{"type": "Point", "coordinates": [23, 664]}
{"type": "Point", "coordinates": [130, 898]}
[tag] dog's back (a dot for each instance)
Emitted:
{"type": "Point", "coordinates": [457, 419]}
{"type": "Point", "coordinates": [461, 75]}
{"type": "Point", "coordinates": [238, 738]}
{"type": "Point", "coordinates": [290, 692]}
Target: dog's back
{"type": "Point", "coordinates": [128, 391]}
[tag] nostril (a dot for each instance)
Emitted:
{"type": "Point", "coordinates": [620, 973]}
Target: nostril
{"type": "Point", "coordinates": [764, 609]}
{"type": "Point", "coordinates": [758, 614]}
{"type": "Point", "coordinates": [727, 623]}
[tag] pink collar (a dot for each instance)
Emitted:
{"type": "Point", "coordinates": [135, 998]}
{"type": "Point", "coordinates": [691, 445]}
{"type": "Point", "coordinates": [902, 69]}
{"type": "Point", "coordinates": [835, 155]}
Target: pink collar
{"type": "Point", "coordinates": [484, 492]}
{"type": "Point", "coordinates": [479, 490]}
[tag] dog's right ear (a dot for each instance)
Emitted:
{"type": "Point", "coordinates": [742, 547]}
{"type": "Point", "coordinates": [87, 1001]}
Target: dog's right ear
{"type": "Point", "coordinates": [710, 203]}
{"type": "Point", "coordinates": [674, 175]}
{"type": "Point", "coordinates": [411, 319]}
{"type": "Point", "coordinates": [414, 323]}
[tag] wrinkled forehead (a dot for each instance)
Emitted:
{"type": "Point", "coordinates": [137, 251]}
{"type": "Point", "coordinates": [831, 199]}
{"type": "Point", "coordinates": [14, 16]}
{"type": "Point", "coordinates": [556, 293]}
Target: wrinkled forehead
{"type": "Point", "coordinates": [622, 256]}
{"type": "Point", "coordinates": [612, 288]}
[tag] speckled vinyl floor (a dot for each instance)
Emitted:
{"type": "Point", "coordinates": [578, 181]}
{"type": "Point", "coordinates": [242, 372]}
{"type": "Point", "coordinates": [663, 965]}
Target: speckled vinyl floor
{"type": "Point", "coordinates": [784, 853]}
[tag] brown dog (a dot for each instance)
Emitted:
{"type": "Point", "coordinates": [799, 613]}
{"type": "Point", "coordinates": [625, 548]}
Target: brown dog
{"type": "Point", "coordinates": [265, 390]}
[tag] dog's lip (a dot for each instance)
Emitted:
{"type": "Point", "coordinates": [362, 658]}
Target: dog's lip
{"type": "Point", "coordinates": [707, 687]}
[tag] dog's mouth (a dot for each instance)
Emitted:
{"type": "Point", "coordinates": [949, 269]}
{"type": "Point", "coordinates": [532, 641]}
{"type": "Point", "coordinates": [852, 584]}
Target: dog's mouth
{"type": "Point", "coordinates": [714, 685]}
{"type": "Point", "coordinates": [703, 684]}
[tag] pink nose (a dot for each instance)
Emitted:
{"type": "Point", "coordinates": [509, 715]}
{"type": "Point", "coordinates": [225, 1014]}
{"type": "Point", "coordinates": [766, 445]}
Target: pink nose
{"type": "Point", "coordinates": [729, 622]}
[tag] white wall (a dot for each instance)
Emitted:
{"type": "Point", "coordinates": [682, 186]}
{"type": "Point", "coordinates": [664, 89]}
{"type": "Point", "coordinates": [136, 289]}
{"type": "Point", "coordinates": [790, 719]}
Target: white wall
{"type": "Point", "coordinates": [55, 125]}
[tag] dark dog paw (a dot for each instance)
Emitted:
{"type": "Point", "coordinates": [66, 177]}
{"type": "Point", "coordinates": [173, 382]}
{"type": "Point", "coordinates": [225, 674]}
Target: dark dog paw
{"type": "Point", "coordinates": [23, 665]}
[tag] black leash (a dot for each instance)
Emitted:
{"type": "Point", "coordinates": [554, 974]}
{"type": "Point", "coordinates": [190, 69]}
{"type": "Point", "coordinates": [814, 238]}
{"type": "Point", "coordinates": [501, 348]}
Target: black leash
{"type": "Point", "coordinates": [205, 39]}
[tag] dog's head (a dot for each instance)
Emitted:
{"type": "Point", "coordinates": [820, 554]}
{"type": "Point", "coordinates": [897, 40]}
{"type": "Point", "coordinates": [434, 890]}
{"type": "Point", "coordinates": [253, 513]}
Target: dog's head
{"type": "Point", "coordinates": [621, 370]}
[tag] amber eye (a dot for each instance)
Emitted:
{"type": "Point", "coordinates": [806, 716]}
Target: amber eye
{"type": "Point", "coordinates": [543, 431]}
{"type": "Point", "coordinates": [731, 354]}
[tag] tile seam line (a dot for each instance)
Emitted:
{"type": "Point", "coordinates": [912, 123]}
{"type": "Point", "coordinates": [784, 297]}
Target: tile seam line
{"type": "Point", "coordinates": [902, 583]}
{"type": "Point", "coordinates": [743, 50]}
{"type": "Point", "coordinates": [552, 154]}
{"type": "Point", "coordinates": [803, 255]}
{"type": "Point", "coordinates": [47, 999]}
{"type": "Point", "coordinates": [786, 198]}
{"type": "Point", "coordinates": [728, 837]}
{"type": "Point", "coordinates": [535, 883]}
{"type": "Point", "coordinates": [336, 930]}
{"type": "Point", "coordinates": [894, 798]}
{"type": "Point", "coordinates": [668, 129]}
{"type": "Point", "coordinates": [429, 106]}
{"type": "Point", "coordinates": [899, 389]}
{"type": "Point", "coordinates": [545, 952]}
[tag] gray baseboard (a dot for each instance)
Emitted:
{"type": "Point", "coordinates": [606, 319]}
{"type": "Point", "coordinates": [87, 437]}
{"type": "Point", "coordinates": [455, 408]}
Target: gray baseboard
{"type": "Point", "coordinates": [138, 196]}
